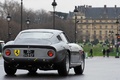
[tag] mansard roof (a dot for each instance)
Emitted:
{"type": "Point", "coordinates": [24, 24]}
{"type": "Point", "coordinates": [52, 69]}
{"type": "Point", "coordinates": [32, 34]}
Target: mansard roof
{"type": "Point", "coordinates": [102, 12]}
{"type": "Point", "coordinates": [99, 12]}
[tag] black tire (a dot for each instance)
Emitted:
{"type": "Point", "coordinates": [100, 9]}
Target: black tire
{"type": "Point", "coordinates": [79, 69]}
{"type": "Point", "coordinates": [9, 69]}
{"type": "Point", "coordinates": [32, 70]}
{"type": "Point", "coordinates": [63, 68]}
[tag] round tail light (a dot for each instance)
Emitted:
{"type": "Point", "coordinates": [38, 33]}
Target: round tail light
{"type": "Point", "coordinates": [8, 52]}
{"type": "Point", "coordinates": [50, 53]}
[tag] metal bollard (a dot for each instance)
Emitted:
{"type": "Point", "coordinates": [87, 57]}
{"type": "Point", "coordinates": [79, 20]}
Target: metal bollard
{"type": "Point", "coordinates": [86, 55]}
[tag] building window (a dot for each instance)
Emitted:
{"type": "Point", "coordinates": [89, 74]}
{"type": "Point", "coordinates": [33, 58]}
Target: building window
{"type": "Point", "coordinates": [87, 21]}
{"type": "Point", "coordinates": [106, 27]}
{"type": "Point", "coordinates": [95, 32]}
{"type": "Point", "coordinates": [81, 17]}
{"type": "Point", "coordinates": [100, 27]}
{"type": "Point", "coordinates": [81, 27]}
{"type": "Point", "coordinates": [81, 21]}
{"type": "Point", "coordinates": [86, 26]}
{"type": "Point", "coordinates": [94, 21]}
{"type": "Point", "coordinates": [106, 32]}
{"type": "Point", "coordinates": [86, 31]}
{"type": "Point", "coordinates": [94, 27]}
{"type": "Point", "coordinates": [111, 27]}
{"type": "Point", "coordinates": [100, 37]}
{"type": "Point", "coordinates": [100, 32]}
{"type": "Point", "coordinates": [106, 21]}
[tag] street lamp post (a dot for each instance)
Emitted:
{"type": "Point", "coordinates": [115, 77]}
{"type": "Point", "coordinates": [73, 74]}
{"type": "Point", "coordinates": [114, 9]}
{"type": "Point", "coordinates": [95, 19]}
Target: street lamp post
{"type": "Point", "coordinates": [111, 38]}
{"type": "Point", "coordinates": [54, 4]}
{"type": "Point", "coordinates": [9, 19]}
{"type": "Point", "coordinates": [75, 11]}
{"type": "Point", "coordinates": [111, 35]}
{"type": "Point", "coordinates": [91, 31]}
{"type": "Point", "coordinates": [21, 13]}
{"type": "Point", "coordinates": [28, 22]}
{"type": "Point", "coordinates": [117, 52]}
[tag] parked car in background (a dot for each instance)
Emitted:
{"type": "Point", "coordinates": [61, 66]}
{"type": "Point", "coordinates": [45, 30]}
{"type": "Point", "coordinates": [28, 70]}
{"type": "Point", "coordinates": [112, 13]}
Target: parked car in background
{"type": "Point", "coordinates": [44, 49]}
{"type": "Point", "coordinates": [1, 46]}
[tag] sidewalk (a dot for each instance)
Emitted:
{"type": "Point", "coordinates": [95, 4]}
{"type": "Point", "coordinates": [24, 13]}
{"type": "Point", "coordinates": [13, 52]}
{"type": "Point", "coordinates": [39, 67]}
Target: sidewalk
{"type": "Point", "coordinates": [101, 57]}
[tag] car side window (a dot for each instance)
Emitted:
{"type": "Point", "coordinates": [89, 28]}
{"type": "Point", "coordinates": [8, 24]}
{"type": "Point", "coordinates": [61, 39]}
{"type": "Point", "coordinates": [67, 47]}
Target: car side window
{"type": "Point", "coordinates": [59, 38]}
{"type": "Point", "coordinates": [63, 37]}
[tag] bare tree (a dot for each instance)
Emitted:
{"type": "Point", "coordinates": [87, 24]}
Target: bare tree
{"type": "Point", "coordinates": [38, 19]}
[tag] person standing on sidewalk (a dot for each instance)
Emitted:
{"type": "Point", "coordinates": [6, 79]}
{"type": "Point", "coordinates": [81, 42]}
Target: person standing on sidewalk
{"type": "Point", "coordinates": [104, 52]}
{"type": "Point", "coordinates": [108, 51]}
{"type": "Point", "coordinates": [91, 52]}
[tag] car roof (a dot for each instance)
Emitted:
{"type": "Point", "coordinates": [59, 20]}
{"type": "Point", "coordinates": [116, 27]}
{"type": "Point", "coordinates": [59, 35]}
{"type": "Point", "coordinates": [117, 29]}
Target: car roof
{"type": "Point", "coordinates": [54, 31]}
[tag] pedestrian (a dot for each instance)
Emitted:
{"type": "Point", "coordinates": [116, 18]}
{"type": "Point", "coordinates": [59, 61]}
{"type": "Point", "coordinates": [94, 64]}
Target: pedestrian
{"type": "Point", "coordinates": [108, 51]}
{"type": "Point", "coordinates": [104, 52]}
{"type": "Point", "coordinates": [91, 52]}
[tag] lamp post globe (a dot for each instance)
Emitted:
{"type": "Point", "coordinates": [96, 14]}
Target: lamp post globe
{"type": "Point", "coordinates": [75, 10]}
{"type": "Point", "coordinates": [54, 4]}
{"type": "Point", "coordinates": [8, 17]}
{"type": "Point", "coordinates": [28, 22]}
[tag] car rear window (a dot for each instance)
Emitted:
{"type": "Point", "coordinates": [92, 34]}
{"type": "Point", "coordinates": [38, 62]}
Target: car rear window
{"type": "Point", "coordinates": [38, 35]}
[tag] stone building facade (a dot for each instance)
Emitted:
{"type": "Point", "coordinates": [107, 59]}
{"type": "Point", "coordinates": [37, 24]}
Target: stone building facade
{"type": "Point", "coordinates": [97, 23]}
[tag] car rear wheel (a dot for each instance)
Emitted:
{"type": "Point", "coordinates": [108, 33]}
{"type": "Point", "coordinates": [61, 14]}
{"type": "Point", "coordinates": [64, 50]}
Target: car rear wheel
{"type": "Point", "coordinates": [9, 69]}
{"type": "Point", "coordinates": [63, 68]}
{"type": "Point", "coordinates": [80, 69]}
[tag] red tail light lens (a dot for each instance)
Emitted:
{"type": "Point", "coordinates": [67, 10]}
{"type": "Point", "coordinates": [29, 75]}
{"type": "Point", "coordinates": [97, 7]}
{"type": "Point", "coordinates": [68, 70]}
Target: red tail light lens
{"type": "Point", "coordinates": [8, 52]}
{"type": "Point", "coordinates": [50, 53]}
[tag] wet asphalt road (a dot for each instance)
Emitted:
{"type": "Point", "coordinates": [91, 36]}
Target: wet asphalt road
{"type": "Point", "coordinates": [97, 68]}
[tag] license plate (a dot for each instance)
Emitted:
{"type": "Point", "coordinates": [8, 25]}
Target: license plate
{"type": "Point", "coordinates": [28, 53]}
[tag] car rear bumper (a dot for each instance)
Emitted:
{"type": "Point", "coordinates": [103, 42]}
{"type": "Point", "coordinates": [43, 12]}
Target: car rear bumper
{"type": "Point", "coordinates": [28, 60]}
{"type": "Point", "coordinates": [26, 63]}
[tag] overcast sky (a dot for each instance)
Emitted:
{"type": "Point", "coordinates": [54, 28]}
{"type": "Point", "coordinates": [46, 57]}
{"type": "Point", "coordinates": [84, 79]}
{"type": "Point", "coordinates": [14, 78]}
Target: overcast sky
{"type": "Point", "coordinates": [66, 5]}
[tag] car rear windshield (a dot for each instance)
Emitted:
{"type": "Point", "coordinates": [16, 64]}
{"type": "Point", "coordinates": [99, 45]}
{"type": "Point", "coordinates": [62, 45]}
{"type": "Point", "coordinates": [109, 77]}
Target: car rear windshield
{"type": "Point", "coordinates": [36, 35]}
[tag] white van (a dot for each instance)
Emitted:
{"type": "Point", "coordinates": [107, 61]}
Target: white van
{"type": "Point", "coordinates": [1, 46]}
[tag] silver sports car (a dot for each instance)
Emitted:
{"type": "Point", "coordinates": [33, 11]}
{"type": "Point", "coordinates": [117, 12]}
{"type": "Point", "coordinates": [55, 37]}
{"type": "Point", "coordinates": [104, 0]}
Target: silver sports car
{"type": "Point", "coordinates": [44, 49]}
